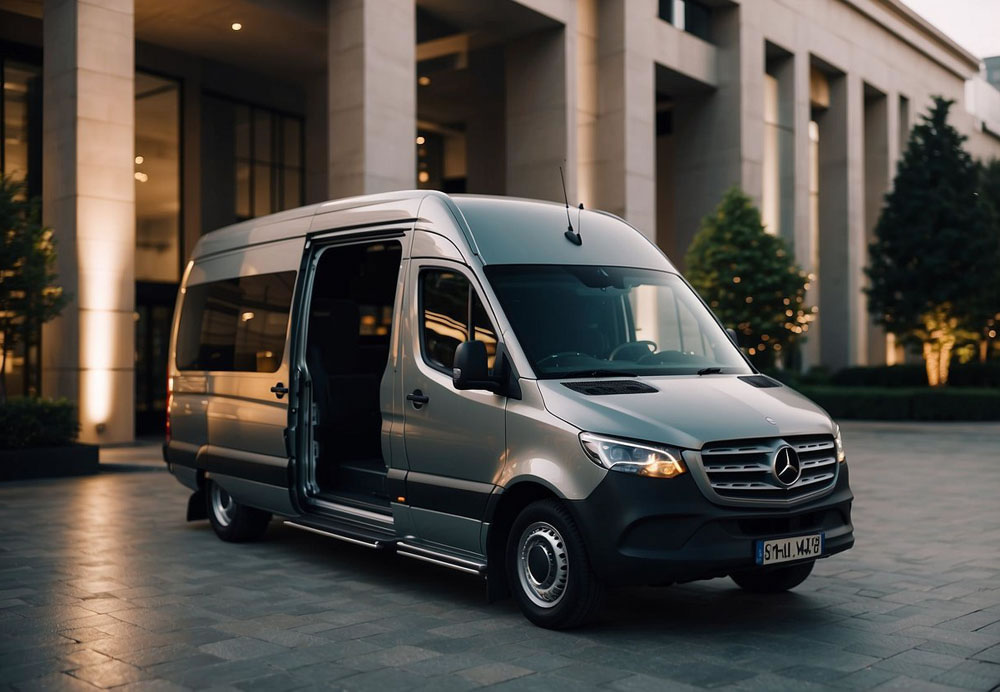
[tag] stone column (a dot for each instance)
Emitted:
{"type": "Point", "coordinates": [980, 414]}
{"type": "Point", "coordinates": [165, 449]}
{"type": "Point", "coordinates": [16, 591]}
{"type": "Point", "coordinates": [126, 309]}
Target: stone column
{"type": "Point", "coordinates": [540, 110]}
{"type": "Point", "coordinates": [89, 199]}
{"type": "Point", "coordinates": [625, 166]}
{"type": "Point", "coordinates": [806, 244]}
{"type": "Point", "coordinates": [371, 73]}
{"type": "Point", "coordinates": [842, 315]}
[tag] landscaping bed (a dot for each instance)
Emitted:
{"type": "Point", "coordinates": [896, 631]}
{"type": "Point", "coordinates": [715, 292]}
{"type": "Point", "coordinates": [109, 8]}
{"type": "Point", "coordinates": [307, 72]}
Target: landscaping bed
{"type": "Point", "coordinates": [37, 440]}
{"type": "Point", "coordinates": [907, 403]}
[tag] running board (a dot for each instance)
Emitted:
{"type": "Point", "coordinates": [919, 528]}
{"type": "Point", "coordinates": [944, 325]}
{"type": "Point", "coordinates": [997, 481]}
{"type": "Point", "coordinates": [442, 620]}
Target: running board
{"type": "Point", "coordinates": [356, 538]}
{"type": "Point", "coordinates": [442, 559]}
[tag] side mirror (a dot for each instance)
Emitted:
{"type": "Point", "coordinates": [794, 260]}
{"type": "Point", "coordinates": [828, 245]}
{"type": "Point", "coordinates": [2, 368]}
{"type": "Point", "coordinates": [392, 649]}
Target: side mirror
{"type": "Point", "coordinates": [469, 370]}
{"type": "Point", "coordinates": [733, 337]}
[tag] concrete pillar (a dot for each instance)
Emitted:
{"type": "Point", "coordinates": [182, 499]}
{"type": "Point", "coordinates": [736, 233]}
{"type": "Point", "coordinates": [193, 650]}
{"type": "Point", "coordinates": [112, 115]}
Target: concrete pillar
{"type": "Point", "coordinates": [877, 163]}
{"type": "Point", "coordinates": [844, 322]}
{"type": "Point", "coordinates": [540, 112]}
{"type": "Point", "coordinates": [625, 167]}
{"type": "Point", "coordinates": [779, 177]}
{"type": "Point", "coordinates": [806, 242]}
{"type": "Point", "coordinates": [88, 197]}
{"type": "Point", "coordinates": [371, 73]}
{"type": "Point", "coordinates": [587, 100]}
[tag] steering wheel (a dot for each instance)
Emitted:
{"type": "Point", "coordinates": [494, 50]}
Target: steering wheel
{"type": "Point", "coordinates": [650, 347]}
{"type": "Point", "coordinates": [553, 356]}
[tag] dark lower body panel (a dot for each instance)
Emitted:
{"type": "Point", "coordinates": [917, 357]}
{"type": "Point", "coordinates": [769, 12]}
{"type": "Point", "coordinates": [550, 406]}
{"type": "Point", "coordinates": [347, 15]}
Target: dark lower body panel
{"type": "Point", "coordinates": [655, 531]}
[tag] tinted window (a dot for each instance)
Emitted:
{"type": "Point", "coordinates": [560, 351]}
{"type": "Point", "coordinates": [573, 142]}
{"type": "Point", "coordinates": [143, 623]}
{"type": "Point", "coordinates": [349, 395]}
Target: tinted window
{"type": "Point", "coordinates": [237, 324]}
{"type": "Point", "coordinates": [446, 315]}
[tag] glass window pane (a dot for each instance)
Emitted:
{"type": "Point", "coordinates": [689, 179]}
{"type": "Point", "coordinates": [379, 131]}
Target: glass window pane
{"type": "Point", "coordinates": [243, 190]}
{"type": "Point", "coordinates": [445, 301]}
{"type": "Point", "coordinates": [483, 329]}
{"type": "Point", "coordinates": [293, 188]}
{"type": "Point", "coordinates": [21, 99]}
{"type": "Point", "coordinates": [262, 136]}
{"type": "Point", "coordinates": [261, 189]}
{"type": "Point", "coordinates": [293, 142]}
{"type": "Point", "coordinates": [235, 324]}
{"type": "Point", "coordinates": [157, 179]}
{"type": "Point", "coordinates": [242, 115]}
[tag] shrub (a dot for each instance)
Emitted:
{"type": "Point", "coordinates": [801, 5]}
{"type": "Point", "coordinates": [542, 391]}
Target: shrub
{"type": "Point", "coordinates": [750, 280]}
{"type": "Point", "coordinates": [907, 403]}
{"type": "Point", "coordinates": [37, 423]}
{"type": "Point", "coordinates": [961, 375]}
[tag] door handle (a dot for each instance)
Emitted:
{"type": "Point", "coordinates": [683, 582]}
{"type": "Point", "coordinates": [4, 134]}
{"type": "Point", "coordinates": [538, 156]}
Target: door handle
{"type": "Point", "coordinates": [418, 398]}
{"type": "Point", "coordinates": [279, 390]}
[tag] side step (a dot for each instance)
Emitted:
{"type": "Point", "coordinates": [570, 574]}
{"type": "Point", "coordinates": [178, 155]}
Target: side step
{"type": "Point", "coordinates": [442, 559]}
{"type": "Point", "coordinates": [349, 534]}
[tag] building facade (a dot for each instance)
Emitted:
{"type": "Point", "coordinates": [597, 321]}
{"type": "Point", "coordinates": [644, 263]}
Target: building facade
{"type": "Point", "coordinates": [143, 124]}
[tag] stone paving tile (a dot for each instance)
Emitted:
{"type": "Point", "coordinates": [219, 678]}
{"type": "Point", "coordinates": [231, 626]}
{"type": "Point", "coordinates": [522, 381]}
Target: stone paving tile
{"type": "Point", "coordinates": [134, 597]}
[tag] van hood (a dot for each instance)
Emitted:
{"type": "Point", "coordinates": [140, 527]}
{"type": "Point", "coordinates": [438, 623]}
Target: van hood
{"type": "Point", "coordinates": [688, 411]}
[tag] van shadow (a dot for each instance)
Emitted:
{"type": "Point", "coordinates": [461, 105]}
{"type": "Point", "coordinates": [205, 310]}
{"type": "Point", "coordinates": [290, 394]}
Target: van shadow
{"type": "Point", "coordinates": [709, 608]}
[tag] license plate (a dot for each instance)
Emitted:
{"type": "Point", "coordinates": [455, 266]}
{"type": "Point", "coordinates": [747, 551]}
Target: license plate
{"type": "Point", "coordinates": [788, 549]}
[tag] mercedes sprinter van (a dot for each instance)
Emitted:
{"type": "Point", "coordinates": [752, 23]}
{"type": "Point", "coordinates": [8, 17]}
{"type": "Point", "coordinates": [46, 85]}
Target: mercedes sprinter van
{"type": "Point", "coordinates": [464, 381]}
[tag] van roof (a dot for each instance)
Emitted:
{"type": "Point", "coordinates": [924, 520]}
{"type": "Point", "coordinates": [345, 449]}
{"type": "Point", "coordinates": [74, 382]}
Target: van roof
{"type": "Point", "coordinates": [501, 230]}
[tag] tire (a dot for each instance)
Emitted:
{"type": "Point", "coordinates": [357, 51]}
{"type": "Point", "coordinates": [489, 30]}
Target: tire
{"type": "Point", "coordinates": [553, 584]}
{"type": "Point", "coordinates": [773, 580]}
{"type": "Point", "coordinates": [233, 522]}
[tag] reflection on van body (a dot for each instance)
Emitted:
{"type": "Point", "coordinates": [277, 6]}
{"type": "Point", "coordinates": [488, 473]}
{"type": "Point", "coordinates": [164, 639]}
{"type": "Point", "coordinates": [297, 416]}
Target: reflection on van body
{"type": "Point", "coordinates": [455, 379]}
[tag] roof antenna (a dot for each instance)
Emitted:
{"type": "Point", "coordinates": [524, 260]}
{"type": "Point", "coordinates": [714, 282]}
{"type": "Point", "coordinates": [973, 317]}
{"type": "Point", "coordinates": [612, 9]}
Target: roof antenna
{"type": "Point", "coordinates": [571, 235]}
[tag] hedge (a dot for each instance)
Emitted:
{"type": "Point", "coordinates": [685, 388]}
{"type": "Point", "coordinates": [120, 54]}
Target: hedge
{"type": "Point", "coordinates": [28, 423]}
{"type": "Point", "coordinates": [914, 375]}
{"type": "Point", "coordinates": [907, 403]}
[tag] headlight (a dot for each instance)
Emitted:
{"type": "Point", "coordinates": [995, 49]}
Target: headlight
{"type": "Point", "coordinates": [633, 457]}
{"type": "Point", "coordinates": [838, 443]}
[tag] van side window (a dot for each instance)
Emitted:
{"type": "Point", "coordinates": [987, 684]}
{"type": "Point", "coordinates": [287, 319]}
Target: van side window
{"type": "Point", "coordinates": [450, 311]}
{"type": "Point", "coordinates": [236, 324]}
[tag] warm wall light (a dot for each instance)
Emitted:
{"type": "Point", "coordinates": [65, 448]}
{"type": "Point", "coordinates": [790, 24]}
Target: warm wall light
{"type": "Point", "coordinates": [141, 177]}
{"type": "Point", "coordinates": [423, 176]}
{"type": "Point", "coordinates": [424, 81]}
{"type": "Point", "coordinates": [420, 139]}
{"type": "Point", "coordinates": [139, 160]}
{"type": "Point", "coordinates": [237, 26]}
{"type": "Point", "coordinates": [246, 316]}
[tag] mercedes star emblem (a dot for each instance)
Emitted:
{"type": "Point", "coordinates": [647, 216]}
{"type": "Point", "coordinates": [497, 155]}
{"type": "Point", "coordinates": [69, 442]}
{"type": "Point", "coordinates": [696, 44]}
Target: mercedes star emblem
{"type": "Point", "coordinates": [786, 466]}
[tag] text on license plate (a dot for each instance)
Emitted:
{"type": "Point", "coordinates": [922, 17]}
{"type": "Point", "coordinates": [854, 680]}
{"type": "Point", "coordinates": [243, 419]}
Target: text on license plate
{"type": "Point", "coordinates": [787, 549]}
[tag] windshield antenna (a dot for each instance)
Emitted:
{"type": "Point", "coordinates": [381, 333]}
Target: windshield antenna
{"type": "Point", "coordinates": [571, 235]}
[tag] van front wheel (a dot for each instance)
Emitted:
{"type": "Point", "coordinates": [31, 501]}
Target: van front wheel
{"type": "Point", "coordinates": [232, 521]}
{"type": "Point", "coordinates": [548, 569]}
{"type": "Point", "coordinates": [773, 580]}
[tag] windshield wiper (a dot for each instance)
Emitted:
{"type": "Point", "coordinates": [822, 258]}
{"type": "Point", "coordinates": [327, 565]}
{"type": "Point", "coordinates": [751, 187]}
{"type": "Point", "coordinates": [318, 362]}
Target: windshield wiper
{"type": "Point", "coordinates": [710, 371]}
{"type": "Point", "coordinates": [596, 373]}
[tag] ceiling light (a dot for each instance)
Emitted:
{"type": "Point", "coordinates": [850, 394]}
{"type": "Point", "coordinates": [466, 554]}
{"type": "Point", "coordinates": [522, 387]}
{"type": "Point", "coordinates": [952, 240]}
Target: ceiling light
{"type": "Point", "coordinates": [424, 81]}
{"type": "Point", "coordinates": [138, 160]}
{"type": "Point", "coordinates": [237, 26]}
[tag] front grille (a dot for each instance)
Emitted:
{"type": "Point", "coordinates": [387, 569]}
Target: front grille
{"type": "Point", "coordinates": [741, 471]}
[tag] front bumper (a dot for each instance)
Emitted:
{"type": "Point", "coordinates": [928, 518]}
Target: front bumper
{"type": "Point", "coordinates": [654, 531]}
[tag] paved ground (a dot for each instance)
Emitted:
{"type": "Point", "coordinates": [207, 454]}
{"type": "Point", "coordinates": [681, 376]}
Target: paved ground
{"type": "Point", "coordinates": [103, 583]}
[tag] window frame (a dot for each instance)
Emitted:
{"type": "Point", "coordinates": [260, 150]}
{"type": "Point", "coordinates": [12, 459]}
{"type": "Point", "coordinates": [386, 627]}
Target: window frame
{"type": "Point", "coordinates": [470, 330]}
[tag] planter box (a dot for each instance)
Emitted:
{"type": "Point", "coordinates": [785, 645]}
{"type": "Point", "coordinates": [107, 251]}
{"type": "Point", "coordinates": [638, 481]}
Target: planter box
{"type": "Point", "coordinates": [48, 462]}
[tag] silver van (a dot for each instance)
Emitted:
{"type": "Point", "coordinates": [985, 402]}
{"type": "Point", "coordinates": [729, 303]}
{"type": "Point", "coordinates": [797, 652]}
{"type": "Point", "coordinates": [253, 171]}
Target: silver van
{"type": "Point", "coordinates": [465, 381]}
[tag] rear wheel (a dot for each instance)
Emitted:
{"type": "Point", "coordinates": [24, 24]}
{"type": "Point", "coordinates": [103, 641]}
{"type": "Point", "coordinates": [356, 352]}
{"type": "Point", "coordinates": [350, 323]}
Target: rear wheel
{"type": "Point", "coordinates": [548, 569]}
{"type": "Point", "coordinates": [232, 521]}
{"type": "Point", "coordinates": [773, 580]}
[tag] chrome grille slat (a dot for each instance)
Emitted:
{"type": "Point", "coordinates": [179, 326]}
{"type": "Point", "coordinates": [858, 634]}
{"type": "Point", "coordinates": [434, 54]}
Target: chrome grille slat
{"type": "Point", "coordinates": [734, 476]}
{"type": "Point", "coordinates": [737, 468]}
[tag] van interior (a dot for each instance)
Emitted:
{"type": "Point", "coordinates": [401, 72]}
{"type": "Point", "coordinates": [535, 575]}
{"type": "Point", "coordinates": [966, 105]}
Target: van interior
{"type": "Point", "coordinates": [347, 348]}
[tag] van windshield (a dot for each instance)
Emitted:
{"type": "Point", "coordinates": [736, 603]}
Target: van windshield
{"type": "Point", "coordinates": [594, 321]}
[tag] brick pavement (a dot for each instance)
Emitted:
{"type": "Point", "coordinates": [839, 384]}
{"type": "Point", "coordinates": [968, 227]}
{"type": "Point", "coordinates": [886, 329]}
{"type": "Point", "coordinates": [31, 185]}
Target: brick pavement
{"type": "Point", "coordinates": [102, 584]}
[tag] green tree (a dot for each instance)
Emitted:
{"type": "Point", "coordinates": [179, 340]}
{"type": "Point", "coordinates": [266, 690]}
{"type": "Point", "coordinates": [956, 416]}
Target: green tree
{"type": "Point", "coordinates": [989, 193]}
{"type": "Point", "coordinates": [933, 254]}
{"type": "Point", "coordinates": [749, 279]}
{"type": "Point", "coordinates": [29, 296]}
